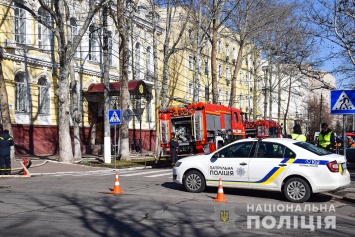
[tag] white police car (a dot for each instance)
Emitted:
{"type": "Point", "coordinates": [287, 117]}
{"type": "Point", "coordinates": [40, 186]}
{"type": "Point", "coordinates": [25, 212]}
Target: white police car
{"type": "Point", "coordinates": [295, 168]}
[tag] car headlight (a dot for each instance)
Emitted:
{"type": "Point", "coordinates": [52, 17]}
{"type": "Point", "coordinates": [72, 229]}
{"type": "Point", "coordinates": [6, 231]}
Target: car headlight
{"type": "Point", "coordinates": [178, 164]}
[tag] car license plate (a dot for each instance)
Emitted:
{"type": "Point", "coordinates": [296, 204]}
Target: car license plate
{"type": "Point", "coordinates": [343, 170]}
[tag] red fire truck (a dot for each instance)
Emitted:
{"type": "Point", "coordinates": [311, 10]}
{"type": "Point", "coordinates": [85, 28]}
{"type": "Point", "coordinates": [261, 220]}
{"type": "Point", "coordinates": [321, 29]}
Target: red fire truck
{"type": "Point", "coordinates": [263, 128]}
{"type": "Point", "coordinates": [199, 126]}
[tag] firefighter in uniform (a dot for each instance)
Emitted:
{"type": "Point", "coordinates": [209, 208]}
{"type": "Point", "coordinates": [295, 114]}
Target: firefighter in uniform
{"type": "Point", "coordinates": [229, 138]}
{"type": "Point", "coordinates": [326, 138]}
{"type": "Point", "coordinates": [174, 147]}
{"type": "Point", "coordinates": [297, 134]}
{"type": "Point", "coordinates": [6, 141]}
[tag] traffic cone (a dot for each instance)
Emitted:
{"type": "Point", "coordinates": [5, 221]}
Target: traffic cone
{"type": "Point", "coordinates": [220, 193]}
{"type": "Point", "coordinates": [25, 163]}
{"type": "Point", "coordinates": [116, 187]}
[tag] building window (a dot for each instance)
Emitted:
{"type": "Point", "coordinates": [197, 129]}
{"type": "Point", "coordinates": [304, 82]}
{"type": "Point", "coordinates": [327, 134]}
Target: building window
{"type": "Point", "coordinates": [43, 32]}
{"type": "Point", "coordinates": [21, 92]}
{"type": "Point", "coordinates": [227, 51]}
{"type": "Point", "coordinates": [43, 96]}
{"type": "Point", "coordinates": [94, 47]}
{"type": "Point", "coordinates": [137, 59]}
{"type": "Point", "coordinates": [240, 77]}
{"type": "Point", "coordinates": [148, 112]}
{"type": "Point", "coordinates": [191, 89]}
{"type": "Point", "coordinates": [220, 97]}
{"type": "Point", "coordinates": [207, 93]}
{"type": "Point", "coordinates": [228, 73]}
{"type": "Point", "coordinates": [227, 96]}
{"type": "Point", "coordinates": [110, 47]}
{"type": "Point", "coordinates": [191, 35]}
{"type": "Point", "coordinates": [74, 32]}
{"type": "Point", "coordinates": [20, 25]}
{"type": "Point", "coordinates": [149, 59]}
{"type": "Point", "coordinates": [219, 70]}
{"type": "Point", "coordinates": [191, 62]}
{"type": "Point", "coordinates": [206, 67]}
{"type": "Point", "coordinates": [199, 65]}
{"type": "Point", "coordinates": [220, 46]}
{"type": "Point", "coordinates": [234, 55]}
{"type": "Point", "coordinates": [240, 100]}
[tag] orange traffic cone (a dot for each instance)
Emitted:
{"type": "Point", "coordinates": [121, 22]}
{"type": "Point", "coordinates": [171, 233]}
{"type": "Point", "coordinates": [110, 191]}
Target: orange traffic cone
{"type": "Point", "coordinates": [117, 188]}
{"type": "Point", "coordinates": [220, 193]}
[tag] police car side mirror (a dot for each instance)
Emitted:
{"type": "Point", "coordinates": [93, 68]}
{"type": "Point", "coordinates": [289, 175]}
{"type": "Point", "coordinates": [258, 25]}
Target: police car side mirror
{"type": "Point", "coordinates": [215, 155]}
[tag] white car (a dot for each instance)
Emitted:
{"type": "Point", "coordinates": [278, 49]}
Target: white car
{"type": "Point", "coordinates": [297, 169]}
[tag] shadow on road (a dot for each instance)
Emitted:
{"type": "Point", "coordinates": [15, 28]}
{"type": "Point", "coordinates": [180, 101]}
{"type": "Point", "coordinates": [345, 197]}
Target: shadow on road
{"type": "Point", "coordinates": [212, 191]}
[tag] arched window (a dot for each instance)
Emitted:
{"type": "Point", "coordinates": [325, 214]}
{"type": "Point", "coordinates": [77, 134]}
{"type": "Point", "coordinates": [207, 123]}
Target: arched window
{"type": "Point", "coordinates": [43, 95]}
{"type": "Point", "coordinates": [94, 47]}
{"type": "Point", "coordinates": [20, 25]}
{"type": "Point", "coordinates": [74, 32]}
{"type": "Point", "coordinates": [43, 32]}
{"type": "Point", "coordinates": [137, 59]}
{"type": "Point", "coordinates": [21, 92]}
{"type": "Point", "coordinates": [110, 47]}
{"type": "Point", "coordinates": [149, 60]}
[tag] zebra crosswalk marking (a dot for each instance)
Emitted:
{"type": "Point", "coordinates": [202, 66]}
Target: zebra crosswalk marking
{"type": "Point", "coordinates": [139, 173]}
{"type": "Point", "coordinates": [157, 175]}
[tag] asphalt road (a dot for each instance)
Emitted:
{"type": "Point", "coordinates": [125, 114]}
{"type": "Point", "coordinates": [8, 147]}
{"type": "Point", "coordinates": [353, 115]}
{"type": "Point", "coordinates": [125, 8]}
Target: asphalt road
{"type": "Point", "coordinates": [79, 205]}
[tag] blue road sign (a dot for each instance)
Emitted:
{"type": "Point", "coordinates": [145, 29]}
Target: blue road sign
{"type": "Point", "coordinates": [342, 102]}
{"type": "Point", "coordinates": [114, 116]}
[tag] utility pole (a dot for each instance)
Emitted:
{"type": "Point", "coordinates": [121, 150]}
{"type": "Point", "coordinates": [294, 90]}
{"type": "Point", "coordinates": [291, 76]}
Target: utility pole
{"type": "Point", "coordinates": [107, 137]}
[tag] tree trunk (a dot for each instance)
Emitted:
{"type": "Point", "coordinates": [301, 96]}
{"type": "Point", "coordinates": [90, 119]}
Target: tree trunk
{"type": "Point", "coordinates": [5, 112]}
{"type": "Point", "coordinates": [65, 146]}
{"type": "Point", "coordinates": [124, 59]}
{"type": "Point", "coordinates": [238, 66]}
{"type": "Point", "coordinates": [214, 63]}
{"type": "Point", "coordinates": [75, 113]}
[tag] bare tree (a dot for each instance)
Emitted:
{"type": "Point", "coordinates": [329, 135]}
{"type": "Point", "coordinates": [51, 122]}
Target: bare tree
{"type": "Point", "coordinates": [59, 12]}
{"type": "Point", "coordinates": [334, 21]}
{"type": "Point", "coordinates": [172, 39]}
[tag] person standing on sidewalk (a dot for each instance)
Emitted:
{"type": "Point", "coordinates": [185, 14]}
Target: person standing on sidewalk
{"type": "Point", "coordinates": [326, 138]}
{"type": "Point", "coordinates": [174, 147]}
{"type": "Point", "coordinates": [297, 133]}
{"type": "Point", "coordinates": [6, 141]}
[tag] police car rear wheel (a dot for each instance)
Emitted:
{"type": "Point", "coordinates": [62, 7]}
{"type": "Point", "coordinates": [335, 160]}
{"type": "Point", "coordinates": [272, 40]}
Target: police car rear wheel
{"type": "Point", "coordinates": [194, 182]}
{"type": "Point", "coordinates": [297, 190]}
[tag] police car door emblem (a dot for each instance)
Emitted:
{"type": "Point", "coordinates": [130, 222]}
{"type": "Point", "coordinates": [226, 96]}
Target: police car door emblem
{"type": "Point", "coordinates": [240, 171]}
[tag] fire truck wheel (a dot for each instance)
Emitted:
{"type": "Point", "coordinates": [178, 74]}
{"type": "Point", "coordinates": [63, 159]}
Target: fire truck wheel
{"type": "Point", "coordinates": [194, 182]}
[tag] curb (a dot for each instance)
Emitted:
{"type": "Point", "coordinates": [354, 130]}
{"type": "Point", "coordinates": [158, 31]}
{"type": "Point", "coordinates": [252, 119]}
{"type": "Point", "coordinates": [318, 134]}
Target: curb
{"type": "Point", "coordinates": [348, 199]}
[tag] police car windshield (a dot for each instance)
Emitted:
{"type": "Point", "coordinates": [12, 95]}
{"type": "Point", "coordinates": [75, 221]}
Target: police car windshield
{"type": "Point", "coordinates": [312, 148]}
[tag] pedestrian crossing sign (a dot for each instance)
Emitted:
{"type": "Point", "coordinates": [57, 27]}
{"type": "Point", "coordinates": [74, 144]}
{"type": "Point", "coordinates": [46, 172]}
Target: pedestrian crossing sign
{"type": "Point", "coordinates": [342, 101]}
{"type": "Point", "coordinates": [114, 116]}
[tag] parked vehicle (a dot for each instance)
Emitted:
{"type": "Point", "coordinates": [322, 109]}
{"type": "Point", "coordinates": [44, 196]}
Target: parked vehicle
{"type": "Point", "coordinates": [203, 122]}
{"type": "Point", "coordinates": [297, 169]}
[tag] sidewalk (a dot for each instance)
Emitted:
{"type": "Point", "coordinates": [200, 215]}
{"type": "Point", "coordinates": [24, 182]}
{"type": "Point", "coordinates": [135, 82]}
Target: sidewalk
{"type": "Point", "coordinates": [42, 165]}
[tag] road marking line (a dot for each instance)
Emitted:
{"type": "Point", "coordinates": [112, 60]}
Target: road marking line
{"type": "Point", "coordinates": [149, 172]}
{"type": "Point", "coordinates": [157, 175]}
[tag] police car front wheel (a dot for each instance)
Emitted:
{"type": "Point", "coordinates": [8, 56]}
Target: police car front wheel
{"type": "Point", "coordinates": [194, 182]}
{"type": "Point", "coordinates": [297, 190]}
